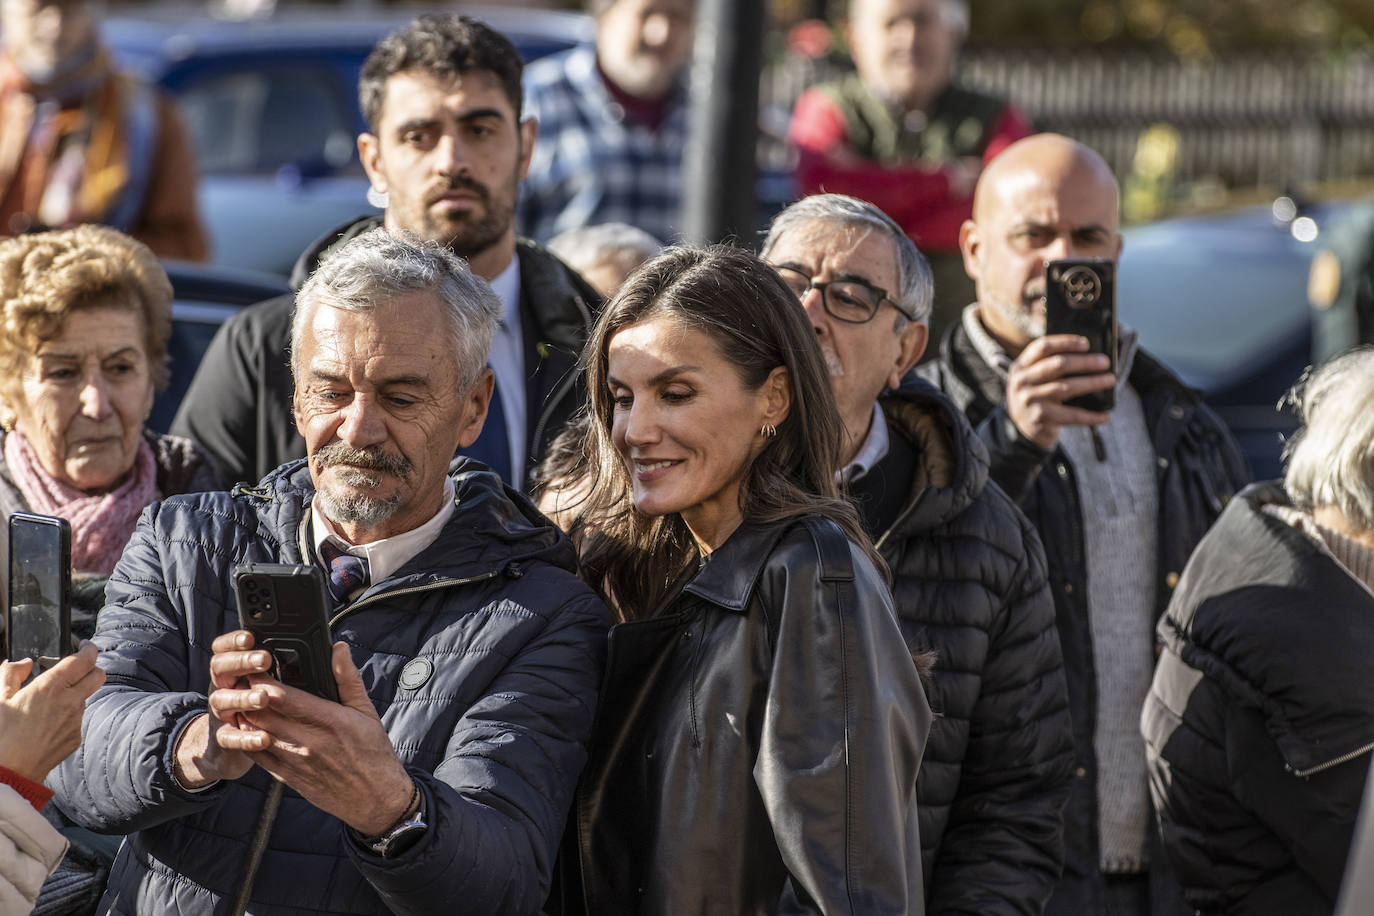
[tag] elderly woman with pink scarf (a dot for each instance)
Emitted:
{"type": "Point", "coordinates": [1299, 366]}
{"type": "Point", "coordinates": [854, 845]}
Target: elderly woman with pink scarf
{"type": "Point", "coordinates": [85, 315]}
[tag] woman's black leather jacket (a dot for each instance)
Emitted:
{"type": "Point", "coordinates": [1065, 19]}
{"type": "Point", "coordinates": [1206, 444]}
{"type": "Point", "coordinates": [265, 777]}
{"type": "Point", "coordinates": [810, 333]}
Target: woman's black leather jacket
{"type": "Point", "coordinates": [757, 742]}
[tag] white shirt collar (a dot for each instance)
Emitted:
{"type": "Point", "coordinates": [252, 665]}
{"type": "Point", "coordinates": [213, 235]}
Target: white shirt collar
{"type": "Point", "coordinates": [386, 556]}
{"type": "Point", "coordinates": [506, 285]}
{"type": "Point", "coordinates": [873, 450]}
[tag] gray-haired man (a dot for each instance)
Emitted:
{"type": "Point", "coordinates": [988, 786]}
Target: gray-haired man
{"type": "Point", "coordinates": [467, 653]}
{"type": "Point", "coordinates": [968, 572]}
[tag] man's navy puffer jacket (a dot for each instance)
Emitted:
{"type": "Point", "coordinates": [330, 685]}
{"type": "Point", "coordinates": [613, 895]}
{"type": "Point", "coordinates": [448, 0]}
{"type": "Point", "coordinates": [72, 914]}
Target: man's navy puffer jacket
{"type": "Point", "coordinates": [495, 736]}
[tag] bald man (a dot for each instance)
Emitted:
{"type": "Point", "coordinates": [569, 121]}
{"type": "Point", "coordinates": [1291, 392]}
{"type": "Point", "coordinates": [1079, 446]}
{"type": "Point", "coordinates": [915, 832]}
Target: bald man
{"type": "Point", "coordinates": [1118, 498]}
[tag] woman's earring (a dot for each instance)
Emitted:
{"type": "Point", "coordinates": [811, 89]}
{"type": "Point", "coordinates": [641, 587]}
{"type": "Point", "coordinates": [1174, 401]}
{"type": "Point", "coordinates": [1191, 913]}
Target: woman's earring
{"type": "Point", "coordinates": [375, 198]}
{"type": "Point", "coordinates": [768, 431]}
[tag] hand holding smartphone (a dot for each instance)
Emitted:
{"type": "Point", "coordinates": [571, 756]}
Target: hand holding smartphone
{"type": "Point", "coordinates": [283, 606]}
{"type": "Point", "coordinates": [38, 617]}
{"type": "Point", "coordinates": [1080, 298]}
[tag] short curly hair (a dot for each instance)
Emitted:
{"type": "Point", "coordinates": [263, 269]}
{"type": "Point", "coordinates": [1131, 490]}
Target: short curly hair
{"type": "Point", "coordinates": [46, 276]}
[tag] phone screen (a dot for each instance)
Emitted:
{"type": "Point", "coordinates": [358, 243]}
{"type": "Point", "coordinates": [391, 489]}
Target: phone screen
{"type": "Point", "coordinates": [39, 582]}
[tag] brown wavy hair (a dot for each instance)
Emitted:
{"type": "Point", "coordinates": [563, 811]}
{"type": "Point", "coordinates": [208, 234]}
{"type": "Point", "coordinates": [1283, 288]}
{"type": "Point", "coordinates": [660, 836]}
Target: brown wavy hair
{"type": "Point", "coordinates": [740, 303]}
{"type": "Point", "coordinates": [46, 276]}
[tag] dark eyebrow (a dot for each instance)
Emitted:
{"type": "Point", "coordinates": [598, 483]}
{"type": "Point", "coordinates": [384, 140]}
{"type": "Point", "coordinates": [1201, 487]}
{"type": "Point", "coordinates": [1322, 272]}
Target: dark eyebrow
{"type": "Point", "coordinates": [857, 278]}
{"type": "Point", "coordinates": [793, 265]}
{"type": "Point", "coordinates": [416, 124]}
{"type": "Point", "coordinates": [667, 375]}
{"type": "Point", "coordinates": [478, 113]}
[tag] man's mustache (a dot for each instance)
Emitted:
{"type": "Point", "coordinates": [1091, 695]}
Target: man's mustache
{"type": "Point", "coordinates": [372, 458]}
{"type": "Point", "coordinates": [458, 183]}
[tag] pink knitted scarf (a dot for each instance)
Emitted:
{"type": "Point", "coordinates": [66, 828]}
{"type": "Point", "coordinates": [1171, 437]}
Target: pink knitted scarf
{"type": "Point", "coordinates": [101, 524]}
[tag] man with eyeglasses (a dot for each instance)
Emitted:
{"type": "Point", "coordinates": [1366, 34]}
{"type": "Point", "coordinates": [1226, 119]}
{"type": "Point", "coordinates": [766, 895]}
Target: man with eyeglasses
{"type": "Point", "coordinates": [968, 571]}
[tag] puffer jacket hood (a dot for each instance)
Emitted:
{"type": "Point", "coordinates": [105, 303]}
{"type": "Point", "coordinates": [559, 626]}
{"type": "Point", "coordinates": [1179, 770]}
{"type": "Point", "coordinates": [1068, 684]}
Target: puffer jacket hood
{"type": "Point", "coordinates": [952, 460]}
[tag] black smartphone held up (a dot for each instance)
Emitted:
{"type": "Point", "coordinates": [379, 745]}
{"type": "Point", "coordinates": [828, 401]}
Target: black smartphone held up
{"type": "Point", "coordinates": [283, 606]}
{"type": "Point", "coordinates": [38, 617]}
{"type": "Point", "coordinates": [1080, 298]}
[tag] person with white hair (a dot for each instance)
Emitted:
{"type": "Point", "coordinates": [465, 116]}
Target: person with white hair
{"type": "Point", "coordinates": [902, 133]}
{"type": "Point", "coordinates": [1260, 720]}
{"type": "Point", "coordinates": [605, 254]}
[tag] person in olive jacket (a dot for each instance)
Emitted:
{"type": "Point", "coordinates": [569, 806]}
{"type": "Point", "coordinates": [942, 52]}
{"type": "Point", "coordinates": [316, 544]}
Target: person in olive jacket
{"type": "Point", "coordinates": [1260, 720]}
{"type": "Point", "coordinates": [968, 571]}
{"type": "Point", "coordinates": [1118, 498]}
{"type": "Point", "coordinates": [762, 721]}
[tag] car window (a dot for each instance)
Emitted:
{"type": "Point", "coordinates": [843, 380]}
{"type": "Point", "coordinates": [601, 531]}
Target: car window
{"type": "Point", "coordinates": [254, 121]}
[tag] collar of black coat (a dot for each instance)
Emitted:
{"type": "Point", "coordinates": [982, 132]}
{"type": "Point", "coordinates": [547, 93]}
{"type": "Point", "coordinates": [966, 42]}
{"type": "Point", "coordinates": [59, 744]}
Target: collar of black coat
{"type": "Point", "coordinates": [952, 462]}
{"type": "Point", "coordinates": [731, 573]}
{"type": "Point", "coordinates": [495, 528]}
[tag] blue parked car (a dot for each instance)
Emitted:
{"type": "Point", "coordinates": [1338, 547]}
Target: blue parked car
{"type": "Point", "coordinates": [1222, 299]}
{"type": "Point", "coordinates": [271, 106]}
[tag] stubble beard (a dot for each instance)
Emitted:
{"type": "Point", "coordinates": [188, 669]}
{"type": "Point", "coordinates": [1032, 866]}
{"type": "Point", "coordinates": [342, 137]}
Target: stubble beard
{"type": "Point", "coordinates": [469, 235]}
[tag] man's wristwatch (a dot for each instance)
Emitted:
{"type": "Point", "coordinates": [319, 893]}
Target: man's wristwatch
{"type": "Point", "coordinates": [404, 834]}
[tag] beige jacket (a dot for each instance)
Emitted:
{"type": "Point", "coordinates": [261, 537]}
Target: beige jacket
{"type": "Point", "coordinates": [30, 849]}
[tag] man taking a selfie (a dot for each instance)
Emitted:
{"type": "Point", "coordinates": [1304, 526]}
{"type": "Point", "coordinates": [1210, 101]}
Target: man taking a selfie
{"type": "Point", "coordinates": [466, 652]}
{"type": "Point", "coordinates": [1119, 498]}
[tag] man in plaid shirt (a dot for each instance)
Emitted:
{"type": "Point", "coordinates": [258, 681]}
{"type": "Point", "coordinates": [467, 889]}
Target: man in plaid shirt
{"type": "Point", "coordinates": [612, 123]}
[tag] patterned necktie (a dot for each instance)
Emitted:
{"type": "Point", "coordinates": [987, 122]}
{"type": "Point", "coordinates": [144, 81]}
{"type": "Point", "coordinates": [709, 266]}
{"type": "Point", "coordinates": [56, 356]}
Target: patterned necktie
{"type": "Point", "coordinates": [347, 573]}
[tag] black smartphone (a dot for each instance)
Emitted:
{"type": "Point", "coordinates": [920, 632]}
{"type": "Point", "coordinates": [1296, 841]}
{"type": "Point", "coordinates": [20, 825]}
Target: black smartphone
{"type": "Point", "coordinates": [283, 606]}
{"type": "Point", "coordinates": [1080, 298]}
{"type": "Point", "coordinates": [38, 616]}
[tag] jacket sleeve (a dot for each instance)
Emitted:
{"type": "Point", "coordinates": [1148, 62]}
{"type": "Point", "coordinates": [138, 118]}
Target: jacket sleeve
{"type": "Point", "coordinates": [497, 803]}
{"type": "Point", "coordinates": [1003, 850]}
{"type": "Point", "coordinates": [1013, 460]}
{"type": "Point", "coordinates": [1313, 818]}
{"type": "Point", "coordinates": [120, 779]}
{"type": "Point", "coordinates": [844, 727]}
{"type": "Point", "coordinates": [30, 849]}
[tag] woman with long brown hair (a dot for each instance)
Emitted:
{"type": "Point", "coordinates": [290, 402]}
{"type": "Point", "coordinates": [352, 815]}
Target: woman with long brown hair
{"type": "Point", "coordinates": [761, 721]}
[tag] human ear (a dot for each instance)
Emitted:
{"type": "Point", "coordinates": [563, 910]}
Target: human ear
{"type": "Point", "coordinates": [370, 154]}
{"type": "Point", "coordinates": [475, 403]}
{"type": "Point", "coordinates": [970, 246]}
{"type": "Point", "coordinates": [912, 343]}
{"type": "Point", "coordinates": [777, 389]}
{"type": "Point", "coordinates": [529, 132]}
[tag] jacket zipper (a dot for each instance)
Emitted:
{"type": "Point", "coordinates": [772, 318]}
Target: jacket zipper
{"type": "Point", "coordinates": [1344, 758]}
{"type": "Point", "coordinates": [414, 589]}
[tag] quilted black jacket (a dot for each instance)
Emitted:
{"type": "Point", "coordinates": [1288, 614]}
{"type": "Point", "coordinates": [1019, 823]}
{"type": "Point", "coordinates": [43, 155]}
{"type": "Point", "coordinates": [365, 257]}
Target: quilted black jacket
{"type": "Point", "coordinates": [1260, 719]}
{"type": "Point", "coordinates": [968, 582]}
